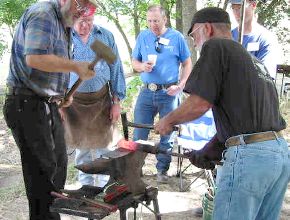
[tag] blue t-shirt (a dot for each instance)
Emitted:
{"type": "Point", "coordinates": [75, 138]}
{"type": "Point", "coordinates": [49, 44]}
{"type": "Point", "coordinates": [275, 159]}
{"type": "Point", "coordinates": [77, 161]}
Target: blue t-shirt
{"type": "Point", "coordinates": [174, 50]}
{"type": "Point", "coordinates": [104, 72]}
{"type": "Point", "coordinates": [262, 44]}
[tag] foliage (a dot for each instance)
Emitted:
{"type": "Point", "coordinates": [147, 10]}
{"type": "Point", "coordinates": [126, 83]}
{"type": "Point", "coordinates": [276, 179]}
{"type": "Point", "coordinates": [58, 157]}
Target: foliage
{"type": "Point", "coordinates": [134, 11]}
{"type": "Point", "coordinates": [3, 46]}
{"type": "Point", "coordinates": [132, 90]}
{"type": "Point", "coordinates": [269, 14]}
{"type": "Point", "coordinates": [71, 174]}
{"type": "Point", "coordinates": [11, 11]}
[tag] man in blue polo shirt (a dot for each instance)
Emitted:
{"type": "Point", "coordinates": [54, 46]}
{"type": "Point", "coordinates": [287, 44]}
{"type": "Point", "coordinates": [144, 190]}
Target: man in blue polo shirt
{"type": "Point", "coordinates": [158, 53]}
{"type": "Point", "coordinates": [259, 41]}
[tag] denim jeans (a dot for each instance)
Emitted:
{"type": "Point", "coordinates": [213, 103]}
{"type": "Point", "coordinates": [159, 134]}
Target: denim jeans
{"type": "Point", "coordinates": [38, 132]}
{"type": "Point", "coordinates": [252, 182]}
{"type": "Point", "coordinates": [87, 156]}
{"type": "Point", "coordinates": [147, 106]}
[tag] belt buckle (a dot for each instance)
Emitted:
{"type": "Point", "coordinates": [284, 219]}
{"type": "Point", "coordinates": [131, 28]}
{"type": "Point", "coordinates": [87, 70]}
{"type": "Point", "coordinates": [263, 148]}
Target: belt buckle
{"type": "Point", "coordinates": [152, 87]}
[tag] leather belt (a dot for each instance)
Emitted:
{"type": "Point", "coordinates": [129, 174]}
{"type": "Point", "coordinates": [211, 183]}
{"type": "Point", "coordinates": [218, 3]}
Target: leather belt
{"type": "Point", "coordinates": [253, 138]}
{"type": "Point", "coordinates": [155, 87]}
{"type": "Point", "coordinates": [17, 91]}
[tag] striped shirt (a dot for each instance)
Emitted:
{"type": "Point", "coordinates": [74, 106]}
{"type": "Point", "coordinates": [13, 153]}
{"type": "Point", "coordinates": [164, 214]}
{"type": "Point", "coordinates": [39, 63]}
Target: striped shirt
{"type": "Point", "coordinates": [104, 72]}
{"type": "Point", "coordinates": [39, 32]}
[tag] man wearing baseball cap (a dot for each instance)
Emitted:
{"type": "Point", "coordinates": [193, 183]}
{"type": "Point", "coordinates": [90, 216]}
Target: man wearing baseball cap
{"type": "Point", "coordinates": [258, 40]}
{"type": "Point", "coordinates": [252, 181]}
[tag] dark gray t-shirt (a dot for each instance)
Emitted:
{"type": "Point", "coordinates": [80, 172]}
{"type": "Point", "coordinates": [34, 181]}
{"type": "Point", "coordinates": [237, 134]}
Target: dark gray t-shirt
{"type": "Point", "coordinates": [243, 95]}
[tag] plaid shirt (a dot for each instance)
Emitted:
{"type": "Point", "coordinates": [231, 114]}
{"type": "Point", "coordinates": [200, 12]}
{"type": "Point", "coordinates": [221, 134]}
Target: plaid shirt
{"type": "Point", "coordinates": [39, 32]}
{"type": "Point", "coordinates": [104, 72]}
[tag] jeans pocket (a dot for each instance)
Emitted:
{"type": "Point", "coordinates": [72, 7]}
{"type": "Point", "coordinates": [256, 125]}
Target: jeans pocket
{"type": "Point", "coordinates": [256, 171]}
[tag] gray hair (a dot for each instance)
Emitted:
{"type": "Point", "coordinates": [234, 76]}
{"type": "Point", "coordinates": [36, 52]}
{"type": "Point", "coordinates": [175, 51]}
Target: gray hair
{"type": "Point", "coordinates": [152, 8]}
{"type": "Point", "coordinates": [222, 27]}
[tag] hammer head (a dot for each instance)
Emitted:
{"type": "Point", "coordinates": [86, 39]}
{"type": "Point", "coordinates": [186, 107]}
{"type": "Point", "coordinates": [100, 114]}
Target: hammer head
{"type": "Point", "coordinates": [104, 52]}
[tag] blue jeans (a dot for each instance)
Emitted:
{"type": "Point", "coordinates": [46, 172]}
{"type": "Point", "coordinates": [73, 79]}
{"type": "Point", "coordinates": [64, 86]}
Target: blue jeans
{"type": "Point", "coordinates": [252, 182]}
{"type": "Point", "coordinates": [87, 156]}
{"type": "Point", "coordinates": [147, 106]}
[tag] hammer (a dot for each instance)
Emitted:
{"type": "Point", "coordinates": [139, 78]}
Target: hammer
{"type": "Point", "coordinates": [102, 51]}
{"type": "Point", "coordinates": [126, 124]}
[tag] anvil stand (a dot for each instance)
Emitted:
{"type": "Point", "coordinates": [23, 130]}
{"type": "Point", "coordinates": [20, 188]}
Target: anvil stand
{"type": "Point", "coordinates": [70, 206]}
{"type": "Point", "coordinates": [73, 206]}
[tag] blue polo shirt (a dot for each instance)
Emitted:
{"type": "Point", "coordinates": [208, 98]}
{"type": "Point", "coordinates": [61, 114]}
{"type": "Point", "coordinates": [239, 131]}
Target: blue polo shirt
{"type": "Point", "coordinates": [174, 50]}
{"type": "Point", "coordinates": [40, 31]}
{"type": "Point", "coordinates": [104, 72]}
{"type": "Point", "coordinates": [262, 44]}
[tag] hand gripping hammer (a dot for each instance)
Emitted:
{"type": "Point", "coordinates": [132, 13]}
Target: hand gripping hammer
{"type": "Point", "coordinates": [102, 51]}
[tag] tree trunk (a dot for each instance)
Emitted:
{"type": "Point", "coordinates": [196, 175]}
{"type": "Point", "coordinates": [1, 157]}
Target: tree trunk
{"type": "Point", "coordinates": [179, 15]}
{"type": "Point", "coordinates": [225, 4]}
{"type": "Point", "coordinates": [165, 5]}
{"type": "Point", "coordinates": [186, 8]}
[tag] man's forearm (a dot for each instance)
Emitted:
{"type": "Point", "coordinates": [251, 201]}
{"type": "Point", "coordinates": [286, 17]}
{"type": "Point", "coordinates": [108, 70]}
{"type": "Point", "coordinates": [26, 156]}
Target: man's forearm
{"type": "Point", "coordinates": [51, 63]}
{"type": "Point", "coordinates": [185, 72]}
{"type": "Point", "coordinates": [137, 66]}
{"type": "Point", "coordinates": [193, 107]}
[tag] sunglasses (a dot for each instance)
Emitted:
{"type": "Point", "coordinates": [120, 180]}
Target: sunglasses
{"type": "Point", "coordinates": [157, 45]}
{"type": "Point", "coordinates": [80, 8]}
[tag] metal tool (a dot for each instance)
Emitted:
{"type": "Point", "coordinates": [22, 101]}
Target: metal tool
{"type": "Point", "coordinates": [87, 201]}
{"type": "Point", "coordinates": [147, 147]}
{"type": "Point", "coordinates": [103, 52]}
{"type": "Point", "coordinates": [126, 124]}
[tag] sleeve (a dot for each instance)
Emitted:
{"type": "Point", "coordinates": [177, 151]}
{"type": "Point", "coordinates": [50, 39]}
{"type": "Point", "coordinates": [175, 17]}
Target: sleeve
{"type": "Point", "coordinates": [136, 53]}
{"type": "Point", "coordinates": [184, 51]}
{"type": "Point", "coordinates": [270, 54]}
{"type": "Point", "coordinates": [39, 33]}
{"type": "Point", "coordinates": [206, 76]}
{"type": "Point", "coordinates": [117, 77]}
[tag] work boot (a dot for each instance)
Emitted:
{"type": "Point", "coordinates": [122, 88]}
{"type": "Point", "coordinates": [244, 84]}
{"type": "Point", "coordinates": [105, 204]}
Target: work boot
{"type": "Point", "coordinates": [162, 177]}
{"type": "Point", "coordinates": [198, 212]}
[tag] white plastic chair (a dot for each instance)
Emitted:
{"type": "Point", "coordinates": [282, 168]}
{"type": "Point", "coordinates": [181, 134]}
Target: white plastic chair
{"type": "Point", "coordinates": [193, 136]}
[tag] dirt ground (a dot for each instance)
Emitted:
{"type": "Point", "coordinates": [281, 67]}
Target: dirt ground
{"type": "Point", "coordinates": [173, 203]}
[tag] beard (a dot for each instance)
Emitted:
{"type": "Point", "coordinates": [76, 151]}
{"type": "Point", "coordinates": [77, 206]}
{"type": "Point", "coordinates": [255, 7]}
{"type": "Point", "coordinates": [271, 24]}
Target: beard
{"type": "Point", "coordinates": [67, 16]}
{"type": "Point", "coordinates": [199, 46]}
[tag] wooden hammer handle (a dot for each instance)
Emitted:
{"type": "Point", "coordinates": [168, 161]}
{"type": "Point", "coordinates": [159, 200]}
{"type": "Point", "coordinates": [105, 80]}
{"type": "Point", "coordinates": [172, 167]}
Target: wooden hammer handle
{"type": "Point", "coordinates": [92, 64]}
{"type": "Point", "coordinates": [77, 83]}
{"type": "Point", "coordinates": [71, 92]}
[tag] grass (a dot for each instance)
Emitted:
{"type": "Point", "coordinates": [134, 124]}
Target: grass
{"type": "Point", "coordinates": [10, 193]}
{"type": "Point", "coordinates": [71, 174]}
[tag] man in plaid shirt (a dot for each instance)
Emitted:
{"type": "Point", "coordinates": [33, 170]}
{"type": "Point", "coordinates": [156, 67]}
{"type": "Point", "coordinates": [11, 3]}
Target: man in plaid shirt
{"type": "Point", "coordinates": [37, 78]}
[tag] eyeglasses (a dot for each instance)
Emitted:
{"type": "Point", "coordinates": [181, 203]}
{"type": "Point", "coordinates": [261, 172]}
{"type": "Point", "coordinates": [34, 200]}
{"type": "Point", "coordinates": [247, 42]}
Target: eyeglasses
{"type": "Point", "coordinates": [157, 45]}
{"type": "Point", "coordinates": [80, 8]}
{"type": "Point", "coordinates": [191, 33]}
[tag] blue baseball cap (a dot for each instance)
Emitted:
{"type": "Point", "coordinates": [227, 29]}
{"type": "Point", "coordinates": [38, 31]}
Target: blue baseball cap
{"type": "Point", "coordinates": [238, 2]}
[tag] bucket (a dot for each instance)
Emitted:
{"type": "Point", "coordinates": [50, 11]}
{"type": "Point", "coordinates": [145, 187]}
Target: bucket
{"type": "Point", "coordinates": [207, 206]}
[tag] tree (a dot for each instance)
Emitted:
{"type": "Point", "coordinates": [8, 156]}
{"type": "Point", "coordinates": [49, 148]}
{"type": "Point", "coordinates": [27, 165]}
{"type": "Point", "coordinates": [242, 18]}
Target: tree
{"type": "Point", "coordinates": [188, 8]}
{"type": "Point", "coordinates": [134, 10]}
{"type": "Point", "coordinates": [10, 13]}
